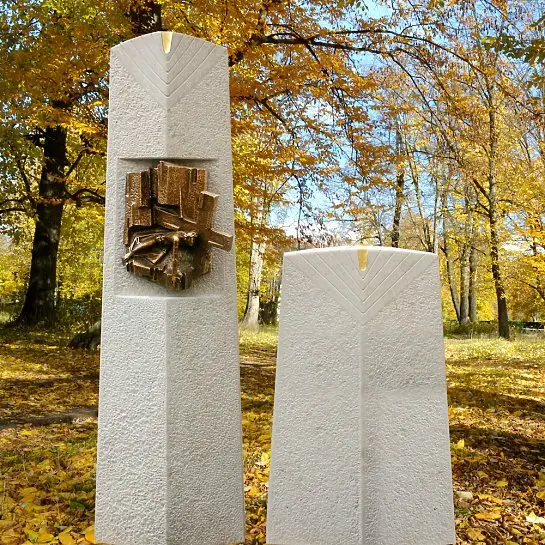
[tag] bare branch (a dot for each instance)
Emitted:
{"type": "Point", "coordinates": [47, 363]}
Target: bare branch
{"type": "Point", "coordinates": [481, 188]}
{"type": "Point", "coordinates": [75, 164]}
{"type": "Point", "coordinates": [86, 195]}
{"type": "Point", "coordinates": [12, 209]}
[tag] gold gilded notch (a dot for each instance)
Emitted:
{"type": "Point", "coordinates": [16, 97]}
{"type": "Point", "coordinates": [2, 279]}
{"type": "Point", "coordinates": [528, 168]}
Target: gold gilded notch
{"type": "Point", "coordinates": [362, 259]}
{"type": "Point", "coordinates": [167, 41]}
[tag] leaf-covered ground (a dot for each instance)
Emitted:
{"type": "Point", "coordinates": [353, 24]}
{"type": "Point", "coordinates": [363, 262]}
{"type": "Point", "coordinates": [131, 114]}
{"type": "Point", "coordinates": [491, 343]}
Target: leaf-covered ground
{"type": "Point", "coordinates": [497, 425]}
{"type": "Point", "coordinates": [497, 412]}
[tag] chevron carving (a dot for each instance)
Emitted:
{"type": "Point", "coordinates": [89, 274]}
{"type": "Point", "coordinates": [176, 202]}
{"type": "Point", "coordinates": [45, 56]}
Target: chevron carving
{"type": "Point", "coordinates": [167, 76]}
{"type": "Point", "coordinates": [363, 293]}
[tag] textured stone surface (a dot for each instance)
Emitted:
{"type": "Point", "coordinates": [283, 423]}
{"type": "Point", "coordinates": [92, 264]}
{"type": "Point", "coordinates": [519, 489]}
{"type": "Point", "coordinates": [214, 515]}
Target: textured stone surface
{"type": "Point", "coordinates": [170, 449]}
{"type": "Point", "coordinates": [360, 451]}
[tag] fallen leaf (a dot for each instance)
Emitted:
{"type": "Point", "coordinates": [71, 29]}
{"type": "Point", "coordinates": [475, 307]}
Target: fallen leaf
{"type": "Point", "coordinates": [464, 495]}
{"type": "Point", "coordinates": [475, 534]}
{"type": "Point", "coordinates": [30, 491]}
{"type": "Point", "coordinates": [44, 536]}
{"type": "Point", "coordinates": [89, 534]}
{"type": "Point", "coordinates": [488, 515]}
{"type": "Point", "coordinates": [65, 538]}
{"type": "Point", "coordinates": [33, 536]}
{"type": "Point", "coordinates": [534, 519]}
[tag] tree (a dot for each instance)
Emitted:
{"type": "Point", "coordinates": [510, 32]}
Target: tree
{"type": "Point", "coordinates": [54, 76]}
{"type": "Point", "coordinates": [466, 102]}
{"type": "Point", "coordinates": [53, 89]}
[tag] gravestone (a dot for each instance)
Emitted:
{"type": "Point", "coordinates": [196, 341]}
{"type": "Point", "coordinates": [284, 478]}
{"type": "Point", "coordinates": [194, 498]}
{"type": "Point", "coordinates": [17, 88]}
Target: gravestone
{"type": "Point", "coordinates": [169, 448]}
{"type": "Point", "coordinates": [360, 447]}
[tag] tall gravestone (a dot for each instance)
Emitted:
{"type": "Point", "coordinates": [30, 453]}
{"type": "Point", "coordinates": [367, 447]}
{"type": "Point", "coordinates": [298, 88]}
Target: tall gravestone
{"type": "Point", "coordinates": [169, 449]}
{"type": "Point", "coordinates": [360, 450]}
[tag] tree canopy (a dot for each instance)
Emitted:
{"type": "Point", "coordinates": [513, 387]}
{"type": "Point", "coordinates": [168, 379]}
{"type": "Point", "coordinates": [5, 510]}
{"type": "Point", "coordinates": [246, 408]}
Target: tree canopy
{"type": "Point", "coordinates": [384, 122]}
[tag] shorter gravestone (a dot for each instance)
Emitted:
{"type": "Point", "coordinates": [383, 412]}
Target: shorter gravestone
{"type": "Point", "coordinates": [360, 448]}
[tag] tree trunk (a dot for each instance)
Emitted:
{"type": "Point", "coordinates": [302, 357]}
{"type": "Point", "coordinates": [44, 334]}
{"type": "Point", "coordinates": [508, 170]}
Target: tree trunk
{"type": "Point", "coordinates": [452, 281]}
{"type": "Point", "coordinates": [268, 304]}
{"type": "Point", "coordinates": [503, 315]}
{"type": "Point", "coordinates": [473, 285]}
{"type": "Point", "coordinates": [448, 256]}
{"type": "Point", "coordinates": [400, 187]}
{"type": "Point", "coordinates": [251, 314]}
{"type": "Point", "coordinates": [464, 292]}
{"type": "Point", "coordinates": [145, 18]}
{"type": "Point", "coordinates": [399, 192]}
{"type": "Point", "coordinates": [39, 305]}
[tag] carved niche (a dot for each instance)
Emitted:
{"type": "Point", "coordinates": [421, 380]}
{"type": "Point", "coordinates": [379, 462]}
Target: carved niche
{"type": "Point", "coordinates": [169, 219]}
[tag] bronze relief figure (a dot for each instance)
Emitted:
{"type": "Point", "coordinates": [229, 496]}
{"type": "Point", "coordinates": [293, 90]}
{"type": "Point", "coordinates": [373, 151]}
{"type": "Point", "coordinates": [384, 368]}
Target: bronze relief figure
{"type": "Point", "coordinates": [169, 218]}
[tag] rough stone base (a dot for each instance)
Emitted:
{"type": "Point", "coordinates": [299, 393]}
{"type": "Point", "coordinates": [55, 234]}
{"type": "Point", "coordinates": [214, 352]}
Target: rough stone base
{"type": "Point", "coordinates": [170, 457]}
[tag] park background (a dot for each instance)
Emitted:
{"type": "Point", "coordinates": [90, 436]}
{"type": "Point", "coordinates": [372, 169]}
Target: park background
{"type": "Point", "coordinates": [412, 125]}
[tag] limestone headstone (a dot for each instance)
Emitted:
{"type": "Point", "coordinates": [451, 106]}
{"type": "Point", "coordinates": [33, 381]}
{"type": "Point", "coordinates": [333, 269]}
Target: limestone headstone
{"type": "Point", "coordinates": [169, 448]}
{"type": "Point", "coordinates": [360, 448]}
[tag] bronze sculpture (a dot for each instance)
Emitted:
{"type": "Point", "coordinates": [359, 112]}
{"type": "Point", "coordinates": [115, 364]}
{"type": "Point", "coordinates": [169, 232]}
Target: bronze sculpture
{"type": "Point", "coordinates": [168, 225]}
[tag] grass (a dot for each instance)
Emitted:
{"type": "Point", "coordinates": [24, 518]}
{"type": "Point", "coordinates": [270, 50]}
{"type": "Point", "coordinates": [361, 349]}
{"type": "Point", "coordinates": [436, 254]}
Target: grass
{"type": "Point", "coordinates": [496, 409]}
{"type": "Point", "coordinates": [497, 425]}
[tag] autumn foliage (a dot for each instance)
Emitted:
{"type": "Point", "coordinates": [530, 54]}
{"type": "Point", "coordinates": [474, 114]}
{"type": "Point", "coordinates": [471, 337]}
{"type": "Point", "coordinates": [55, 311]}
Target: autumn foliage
{"type": "Point", "coordinates": [47, 467]}
{"type": "Point", "coordinates": [400, 124]}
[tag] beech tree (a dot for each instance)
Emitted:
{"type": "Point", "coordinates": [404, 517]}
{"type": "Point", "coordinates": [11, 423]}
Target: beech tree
{"type": "Point", "coordinates": [54, 71]}
{"type": "Point", "coordinates": [52, 75]}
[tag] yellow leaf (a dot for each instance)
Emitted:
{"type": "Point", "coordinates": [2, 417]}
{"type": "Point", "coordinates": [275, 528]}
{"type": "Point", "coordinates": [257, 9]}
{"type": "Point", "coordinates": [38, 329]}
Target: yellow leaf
{"type": "Point", "coordinates": [475, 534]}
{"type": "Point", "coordinates": [33, 536]}
{"type": "Point", "coordinates": [488, 515]}
{"type": "Point", "coordinates": [89, 534]}
{"type": "Point", "coordinates": [28, 491]}
{"type": "Point", "coordinates": [482, 474]}
{"type": "Point", "coordinates": [460, 444]}
{"type": "Point", "coordinates": [44, 536]}
{"type": "Point", "coordinates": [65, 538]}
{"type": "Point", "coordinates": [45, 464]}
{"type": "Point", "coordinates": [502, 484]}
